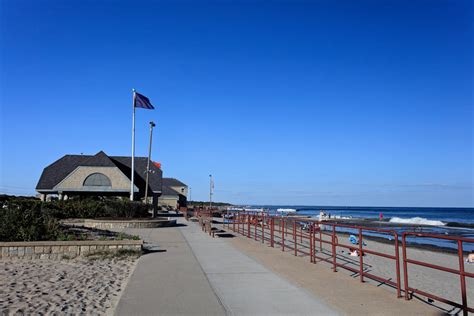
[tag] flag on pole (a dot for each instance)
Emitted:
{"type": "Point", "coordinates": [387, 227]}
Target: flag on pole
{"type": "Point", "coordinates": [143, 102]}
{"type": "Point", "coordinates": [139, 101]}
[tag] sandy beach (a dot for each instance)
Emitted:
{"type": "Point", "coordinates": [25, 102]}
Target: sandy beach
{"type": "Point", "coordinates": [77, 286]}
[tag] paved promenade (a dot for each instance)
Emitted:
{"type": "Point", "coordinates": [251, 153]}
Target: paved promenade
{"type": "Point", "coordinates": [201, 275]}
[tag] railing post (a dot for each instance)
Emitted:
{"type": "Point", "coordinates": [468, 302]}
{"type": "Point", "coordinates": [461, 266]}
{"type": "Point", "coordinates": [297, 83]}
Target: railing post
{"type": "Point", "coordinates": [239, 220]}
{"type": "Point", "coordinates": [311, 243]}
{"type": "Point", "coordinates": [397, 264]}
{"type": "Point", "coordinates": [263, 228]}
{"type": "Point", "coordinates": [320, 239]}
{"type": "Point", "coordinates": [301, 234]}
{"type": "Point", "coordinates": [239, 224]}
{"type": "Point", "coordinates": [272, 231]}
{"type": "Point", "coordinates": [294, 237]}
{"type": "Point", "coordinates": [405, 268]}
{"type": "Point", "coordinates": [313, 237]}
{"type": "Point", "coordinates": [248, 226]}
{"type": "Point", "coordinates": [361, 257]}
{"type": "Point", "coordinates": [333, 237]}
{"type": "Point", "coordinates": [282, 235]}
{"type": "Point", "coordinates": [242, 223]}
{"type": "Point", "coordinates": [463, 279]}
{"type": "Point", "coordinates": [255, 222]}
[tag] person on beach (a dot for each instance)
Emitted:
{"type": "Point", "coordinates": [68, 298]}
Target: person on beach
{"type": "Point", "coordinates": [470, 257]}
{"type": "Point", "coordinates": [354, 253]}
{"type": "Point", "coordinates": [381, 216]}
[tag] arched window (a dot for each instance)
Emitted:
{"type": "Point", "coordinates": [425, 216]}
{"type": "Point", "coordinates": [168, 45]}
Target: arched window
{"type": "Point", "coordinates": [97, 180]}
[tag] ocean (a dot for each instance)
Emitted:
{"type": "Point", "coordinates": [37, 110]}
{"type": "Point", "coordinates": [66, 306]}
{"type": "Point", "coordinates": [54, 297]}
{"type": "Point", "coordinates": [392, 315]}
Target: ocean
{"type": "Point", "coordinates": [442, 221]}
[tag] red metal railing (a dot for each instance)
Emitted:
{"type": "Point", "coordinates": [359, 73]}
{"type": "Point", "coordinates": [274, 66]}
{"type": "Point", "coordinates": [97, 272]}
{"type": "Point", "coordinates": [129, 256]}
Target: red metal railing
{"type": "Point", "coordinates": [304, 243]}
{"type": "Point", "coordinates": [303, 237]}
{"type": "Point", "coordinates": [204, 215]}
{"type": "Point", "coordinates": [361, 250]}
{"type": "Point", "coordinates": [409, 291]}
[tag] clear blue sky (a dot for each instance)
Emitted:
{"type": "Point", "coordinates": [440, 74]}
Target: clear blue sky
{"type": "Point", "coordinates": [317, 102]}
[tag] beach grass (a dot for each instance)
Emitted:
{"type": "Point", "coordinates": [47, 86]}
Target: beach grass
{"type": "Point", "coordinates": [120, 254]}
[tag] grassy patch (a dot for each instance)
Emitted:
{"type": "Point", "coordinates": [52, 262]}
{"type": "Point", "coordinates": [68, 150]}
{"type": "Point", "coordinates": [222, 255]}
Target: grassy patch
{"type": "Point", "coordinates": [123, 236]}
{"type": "Point", "coordinates": [68, 236]}
{"type": "Point", "coordinates": [120, 254]}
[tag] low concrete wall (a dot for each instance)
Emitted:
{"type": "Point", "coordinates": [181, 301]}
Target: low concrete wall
{"type": "Point", "coordinates": [60, 249]}
{"type": "Point", "coordinates": [136, 223]}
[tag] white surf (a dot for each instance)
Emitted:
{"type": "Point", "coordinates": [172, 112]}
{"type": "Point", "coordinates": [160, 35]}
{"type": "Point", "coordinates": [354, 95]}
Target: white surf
{"type": "Point", "coordinates": [416, 221]}
{"type": "Point", "coordinates": [286, 210]}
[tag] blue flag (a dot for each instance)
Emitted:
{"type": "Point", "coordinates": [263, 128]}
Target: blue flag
{"type": "Point", "coordinates": [142, 101]}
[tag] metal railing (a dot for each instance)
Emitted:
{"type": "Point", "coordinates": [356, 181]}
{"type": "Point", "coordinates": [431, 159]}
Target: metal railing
{"type": "Point", "coordinates": [409, 291]}
{"type": "Point", "coordinates": [204, 216]}
{"type": "Point", "coordinates": [362, 250]}
{"type": "Point", "coordinates": [307, 238]}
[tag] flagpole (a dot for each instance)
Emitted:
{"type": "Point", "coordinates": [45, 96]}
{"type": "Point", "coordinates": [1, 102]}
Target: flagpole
{"type": "Point", "coordinates": [133, 149]}
{"type": "Point", "coordinates": [210, 191]}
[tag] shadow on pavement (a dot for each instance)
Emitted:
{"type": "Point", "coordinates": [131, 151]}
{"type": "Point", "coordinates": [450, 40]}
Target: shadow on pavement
{"type": "Point", "coordinates": [225, 235]}
{"type": "Point", "coordinates": [148, 251]}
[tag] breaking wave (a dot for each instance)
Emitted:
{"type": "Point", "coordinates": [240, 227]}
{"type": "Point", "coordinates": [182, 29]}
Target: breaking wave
{"type": "Point", "coordinates": [286, 210]}
{"type": "Point", "coordinates": [416, 221]}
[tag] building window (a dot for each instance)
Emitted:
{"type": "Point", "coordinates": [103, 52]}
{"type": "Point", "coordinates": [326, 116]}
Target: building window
{"type": "Point", "coordinates": [97, 180]}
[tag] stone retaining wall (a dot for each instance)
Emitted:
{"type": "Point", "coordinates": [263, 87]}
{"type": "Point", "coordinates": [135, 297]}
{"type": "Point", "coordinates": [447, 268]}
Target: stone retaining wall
{"type": "Point", "coordinates": [63, 249]}
{"type": "Point", "coordinates": [121, 224]}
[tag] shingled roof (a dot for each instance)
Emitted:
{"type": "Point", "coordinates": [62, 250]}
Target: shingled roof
{"type": "Point", "coordinates": [57, 171]}
{"type": "Point", "coordinates": [172, 182]}
{"type": "Point", "coordinates": [169, 191]}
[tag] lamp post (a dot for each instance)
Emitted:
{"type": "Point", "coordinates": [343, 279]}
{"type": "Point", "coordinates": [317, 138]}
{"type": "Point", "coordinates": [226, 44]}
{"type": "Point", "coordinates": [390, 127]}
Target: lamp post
{"type": "Point", "coordinates": [148, 163]}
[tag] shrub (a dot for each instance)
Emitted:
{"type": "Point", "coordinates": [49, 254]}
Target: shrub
{"type": "Point", "coordinates": [93, 208]}
{"type": "Point", "coordinates": [23, 220]}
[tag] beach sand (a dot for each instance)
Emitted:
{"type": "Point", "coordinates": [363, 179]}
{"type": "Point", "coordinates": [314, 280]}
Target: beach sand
{"type": "Point", "coordinates": [76, 286]}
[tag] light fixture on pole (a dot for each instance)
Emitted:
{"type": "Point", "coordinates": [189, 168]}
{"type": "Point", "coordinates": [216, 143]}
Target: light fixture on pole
{"type": "Point", "coordinates": [152, 124]}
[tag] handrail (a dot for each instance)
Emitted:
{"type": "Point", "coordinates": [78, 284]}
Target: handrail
{"type": "Point", "coordinates": [288, 233]}
{"type": "Point", "coordinates": [461, 272]}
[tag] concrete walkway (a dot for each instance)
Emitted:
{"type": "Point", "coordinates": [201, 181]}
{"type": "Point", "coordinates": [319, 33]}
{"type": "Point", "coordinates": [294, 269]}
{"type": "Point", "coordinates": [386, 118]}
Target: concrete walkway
{"type": "Point", "coordinates": [170, 282]}
{"type": "Point", "coordinates": [201, 275]}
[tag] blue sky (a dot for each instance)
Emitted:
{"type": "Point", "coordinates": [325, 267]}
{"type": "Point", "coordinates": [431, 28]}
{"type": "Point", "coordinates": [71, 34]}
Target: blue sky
{"type": "Point", "coordinates": [313, 102]}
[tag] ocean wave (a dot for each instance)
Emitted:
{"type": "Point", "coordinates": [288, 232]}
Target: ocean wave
{"type": "Point", "coordinates": [417, 221]}
{"type": "Point", "coordinates": [286, 210]}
